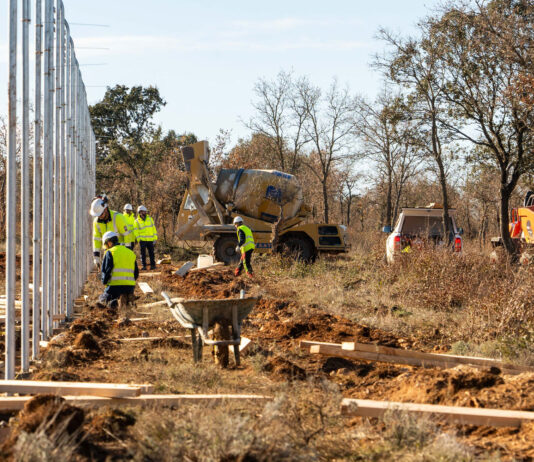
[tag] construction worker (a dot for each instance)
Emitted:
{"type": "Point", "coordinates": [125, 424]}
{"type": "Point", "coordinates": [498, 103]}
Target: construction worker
{"type": "Point", "coordinates": [119, 270]}
{"type": "Point", "coordinates": [245, 244]}
{"type": "Point", "coordinates": [107, 220]}
{"type": "Point", "coordinates": [146, 235]}
{"type": "Point", "coordinates": [129, 216]}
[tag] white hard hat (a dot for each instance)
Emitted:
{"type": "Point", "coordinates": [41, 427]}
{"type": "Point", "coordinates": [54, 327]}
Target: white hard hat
{"type": "Point", "coordinates": [141, 208]}
{"type": "Point", "coordinates": [97, 207]}
{"type": "Point", "coordinates": [109, 235]}
{"type": "Point", "coordinates": [128, 207]}
{"type": "Point", "coordinates": [238, 220]}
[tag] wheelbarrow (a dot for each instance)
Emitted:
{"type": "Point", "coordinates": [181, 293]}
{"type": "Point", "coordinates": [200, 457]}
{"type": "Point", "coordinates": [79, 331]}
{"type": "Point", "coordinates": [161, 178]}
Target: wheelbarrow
{"type": "Point", "coordinates": [199, 316]}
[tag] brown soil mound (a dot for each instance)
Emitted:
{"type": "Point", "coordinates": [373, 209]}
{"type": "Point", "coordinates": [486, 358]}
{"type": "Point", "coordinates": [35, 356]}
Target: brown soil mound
{"type": "Point", "coordinates": [282, 369]}
{"type": "Point", "coordinates": [324, 327]}
{"type": "Point", "coordinates": [48, 413]}
{"type": "Point", "coordinates": [205, 284]}
{"type": "Point", "coordinates": [110, 424]}
{"type": "Point", "coordinates": [57, 376]}
{"type": "Point", "coordinates": [97, 328]}
{"type": "Point", "coordinates": [462, 386]}
{"type": "Point", "coordinates": [86, 341]}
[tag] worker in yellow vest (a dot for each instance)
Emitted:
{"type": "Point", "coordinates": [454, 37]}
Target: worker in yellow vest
{"type": "Point", "coordinates": [129, 216]}
{"type": "Point", "coordinates": [147, 235]}
{"type": "Point", "coordinates": [119, 270]}
{"type": "Point", "coordinates": [245, 244]}
{"type": "Point", "coordinates": [107, 220]}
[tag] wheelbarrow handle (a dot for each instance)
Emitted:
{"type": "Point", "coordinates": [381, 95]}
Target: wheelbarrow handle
{"type": "Point", "coordinates": [167, 299]}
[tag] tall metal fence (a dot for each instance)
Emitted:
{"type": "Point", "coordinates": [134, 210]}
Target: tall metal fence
{"type": "Point", "coordinates": [61, 162]}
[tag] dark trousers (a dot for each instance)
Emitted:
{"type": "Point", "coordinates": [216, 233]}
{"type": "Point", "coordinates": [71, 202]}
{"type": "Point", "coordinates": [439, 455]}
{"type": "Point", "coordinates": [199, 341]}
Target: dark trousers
{"type": "Point", "coordinates": [147, 245]}
{"type": "Point", "coordinates": [111, 294]}
{"type": "Point", "coordinates": [246, 263]}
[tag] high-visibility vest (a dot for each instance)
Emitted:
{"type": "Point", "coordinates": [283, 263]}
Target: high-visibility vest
{"type": "Point", "coordinates": [116, 223]}
{"type": "Point", "coordinates": [130, 221]}
{"type": "Point", "coordinates": [249, 239]}
{"type": "Point", "coordinates": [123, 273]}
{"type": "Point", "coordinates": [145, 230]}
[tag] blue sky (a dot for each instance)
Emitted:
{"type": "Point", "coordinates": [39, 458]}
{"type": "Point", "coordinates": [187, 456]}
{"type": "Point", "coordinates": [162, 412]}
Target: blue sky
{"type": "Point", "coordinates": [205, 56]}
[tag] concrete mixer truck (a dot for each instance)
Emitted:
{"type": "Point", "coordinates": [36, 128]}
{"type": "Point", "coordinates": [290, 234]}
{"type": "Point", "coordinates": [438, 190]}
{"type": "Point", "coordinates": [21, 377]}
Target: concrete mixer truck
{"type": "Point", "coordinates": [270, 203]}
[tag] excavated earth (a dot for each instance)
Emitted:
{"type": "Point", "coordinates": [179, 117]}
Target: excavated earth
{"type": "Point", "coordinates": [90, 350]}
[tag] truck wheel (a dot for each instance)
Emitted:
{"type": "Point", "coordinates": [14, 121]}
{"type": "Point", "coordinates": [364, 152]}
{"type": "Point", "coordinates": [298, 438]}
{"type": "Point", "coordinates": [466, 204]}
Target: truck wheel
{"type": "Point", "coordinates": [224, 249]}
{"type": "Point", "coordinates": [300, 248]}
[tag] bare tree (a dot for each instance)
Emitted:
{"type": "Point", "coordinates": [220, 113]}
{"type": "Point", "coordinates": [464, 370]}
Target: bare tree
{"type": "Point", "coordinates": [486, 52]}
{"type": "Point", "coordinates": [328, 125]}
{"type": "Point", "coordinates": [279, 119]}
{"type": "Point", "coordinates": [388, 139]}
{"type": "Point", "coordinates": [416, 66]}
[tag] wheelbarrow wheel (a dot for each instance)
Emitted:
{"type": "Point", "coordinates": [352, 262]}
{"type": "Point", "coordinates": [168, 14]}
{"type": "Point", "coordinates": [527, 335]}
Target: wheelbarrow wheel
{"type": "Point", "coordinates": [221, 332]}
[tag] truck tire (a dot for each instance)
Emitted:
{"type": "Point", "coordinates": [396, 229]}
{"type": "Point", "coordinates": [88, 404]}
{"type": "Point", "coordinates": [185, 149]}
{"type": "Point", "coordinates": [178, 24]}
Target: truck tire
{"type": "Point", "coordinates": [224, 249]}
{"type": "Point", "coordinates": [300, 248]}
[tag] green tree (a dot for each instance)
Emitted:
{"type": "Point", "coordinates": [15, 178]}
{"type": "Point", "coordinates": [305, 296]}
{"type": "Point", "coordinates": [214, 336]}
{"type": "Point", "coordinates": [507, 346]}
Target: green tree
{"type": "Point", "coordinates": [486, 50]}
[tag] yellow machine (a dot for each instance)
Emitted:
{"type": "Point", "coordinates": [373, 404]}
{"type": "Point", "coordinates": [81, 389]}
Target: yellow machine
{"type": "Point", "coordinates": [521, 229]}
{"type": "Point", "coordinates": [270, 203]}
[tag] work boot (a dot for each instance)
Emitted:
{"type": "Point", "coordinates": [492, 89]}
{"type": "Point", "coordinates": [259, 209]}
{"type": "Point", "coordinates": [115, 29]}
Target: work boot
{"type": "Point", "coordinates": [143, 268]}
{"type": "Point", "coordinates": [250, 275]}
{"type": "Point", "coordinates": [153, 267]}
{"type": "Point", "coordinates": [237, 272]}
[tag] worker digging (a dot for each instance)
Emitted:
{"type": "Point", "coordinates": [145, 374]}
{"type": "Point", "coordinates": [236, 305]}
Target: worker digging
{"type": "Point", "coordinates": [107, 220]}
{"type": "Point", "coordinates": [147, 235]}
{"type": "Point", "coordinates": [245, 246]}
{"type": "Point", "coordinates": [119, 272]}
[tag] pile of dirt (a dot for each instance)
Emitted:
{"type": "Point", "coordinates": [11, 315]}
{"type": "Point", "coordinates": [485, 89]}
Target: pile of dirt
{"type": "Point", "coordinates": [110, 424]}
{"type": "Point", "coordinates": [318, 326]}
{"type": "Point", "coordinates": [49, 414]}
{"type": "Point", "coordinates": [461, 386]}
{"type": "Point", "coordinates": [205, 284]}
{"type": "Point", "coordinates": [282, 369]}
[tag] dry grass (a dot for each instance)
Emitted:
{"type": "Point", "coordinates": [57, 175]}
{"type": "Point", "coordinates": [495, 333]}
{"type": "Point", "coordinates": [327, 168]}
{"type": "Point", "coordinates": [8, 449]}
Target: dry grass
{"type": "Point", "coordinates": [462, 302]}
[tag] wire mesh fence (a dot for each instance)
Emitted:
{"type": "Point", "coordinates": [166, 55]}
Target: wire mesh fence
{"type": "Point", "coordinates": [55, 200]}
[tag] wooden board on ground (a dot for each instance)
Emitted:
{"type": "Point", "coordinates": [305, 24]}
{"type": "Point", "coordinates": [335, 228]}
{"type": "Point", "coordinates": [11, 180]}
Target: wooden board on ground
{"type": "Point", "coordinates": [17, 403]}
{"type": "Point", "coordinates": [397, 356]}
{"type": "Point", "coordinates": [151, 339]}
{"type": "Point", "coordinates": [150, 275]}
{"type": "Point", "coordinates": [184, 269]}
{"type": "Point", "coordinates": [108, 390]}
{"type": "Point", "coordinates": [245, 344]}
{"type": "Point", "coordinates": [468, 360]}
{"type": "Point", "coordinates": [454, 414]}
{"type": "Point", "coordinates": [145, 288]}
{"type": "Point", "coordinates": [214, 266]}
{"type": "Point", "coordinates": [161, 303]}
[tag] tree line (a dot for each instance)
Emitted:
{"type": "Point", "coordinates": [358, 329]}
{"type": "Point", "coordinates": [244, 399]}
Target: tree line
{"type": "Point", "coordinates": [452, 124]}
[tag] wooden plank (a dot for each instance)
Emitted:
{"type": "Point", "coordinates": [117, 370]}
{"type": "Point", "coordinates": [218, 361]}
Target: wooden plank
{"type": "Point", "coordinates": [215, 265]}
{"type": "Point", "coordinates": [109, 390]}
{"type": "Point", "coordinates": [337, 351]}
{"type": "Point", "coordinates": [16, 403]}
{"type": "Point", "coordinates": [145, 288]}
{"type": "Point", "coordinates": [161, 303]}
{"type": "Point", "coordinates": [150, 275]}
{"type": "Point", "coordinates": [307, 344]}
{"type": "Point", "coordinates": [371, 352]}
{"type": "Point", "coordinates": [184, 269]}
{"type": "Point", "coordinates": [468, 360]}
{"type": "Point", "coordinates": [454, 414]}
{"type": "Point", "coordinates": [245, 344]}
{"type": "Point", "coordinates": [151, 339]}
